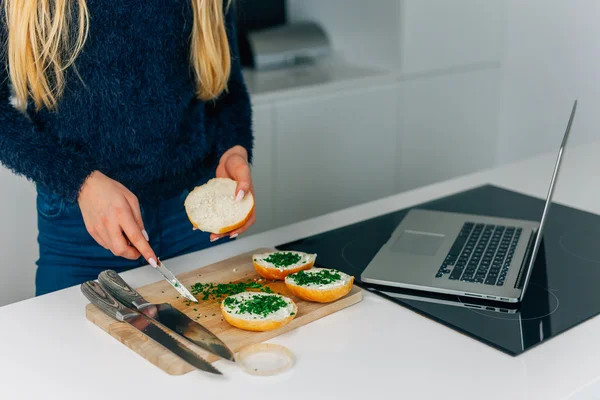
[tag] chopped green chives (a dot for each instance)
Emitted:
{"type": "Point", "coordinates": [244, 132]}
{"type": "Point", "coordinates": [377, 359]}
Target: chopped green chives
{"type": "Point", "coordinates": [322, 277]}
{"type": "Point", "coordinates": [283, 259]}
{"type": "Point", "coordinates": [220, 290]}
{"type": "Point", "coordinates": [256, 305]}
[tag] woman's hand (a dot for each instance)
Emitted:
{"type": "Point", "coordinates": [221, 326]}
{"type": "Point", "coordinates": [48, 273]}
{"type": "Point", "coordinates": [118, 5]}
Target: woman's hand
{"type": "Point", "coordinates": [112, 216]}
{"type": "Point", "coordinates": [234, 165]}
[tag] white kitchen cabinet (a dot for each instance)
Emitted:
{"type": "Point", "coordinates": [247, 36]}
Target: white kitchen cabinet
{"type": "Point", "coordinates": [18, 237]}
{"type": "Point", "coordinates": [263, 167]}
{"type": "Point", "coordinates": [334, 151]}
{"type": "Point", "coordinates": [447, 126]}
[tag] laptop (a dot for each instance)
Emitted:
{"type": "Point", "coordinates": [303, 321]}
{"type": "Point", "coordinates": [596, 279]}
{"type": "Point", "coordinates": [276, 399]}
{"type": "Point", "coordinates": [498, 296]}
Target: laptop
{"type": "Point", "coordinates": [459, 254]}
{"type": "Point", "coordinates": [444, 299]}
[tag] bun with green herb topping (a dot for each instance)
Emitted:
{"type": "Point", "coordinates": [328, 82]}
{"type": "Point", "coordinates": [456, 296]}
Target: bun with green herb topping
{"type": "Point", "coordinates": [321, 285]}
{"type": "Point", "coordinates": [257, 311]}
{"type": "Point", "coordinates": [279, 264]}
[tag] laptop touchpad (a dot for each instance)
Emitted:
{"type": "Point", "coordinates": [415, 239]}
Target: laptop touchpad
{"type": "Point", "coordinates": [420, 243]}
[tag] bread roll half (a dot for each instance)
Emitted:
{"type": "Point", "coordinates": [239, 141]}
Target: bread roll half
{"type": "Point", "coordinates": [320, 285]}
{"type": "Point", "coordinates": [212, 207]}
{"type": "Point", "coordinates": [258, 311]}
{"type": "Point", "coordinates": [279, 264]}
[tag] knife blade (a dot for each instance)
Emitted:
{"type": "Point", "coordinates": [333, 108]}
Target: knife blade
{"type": "Point", "coordinates": [165, 314]}
{"type": "Point", "coordinates": [168, 275]}
{"type": "Point", "coordinates": [100, 298]}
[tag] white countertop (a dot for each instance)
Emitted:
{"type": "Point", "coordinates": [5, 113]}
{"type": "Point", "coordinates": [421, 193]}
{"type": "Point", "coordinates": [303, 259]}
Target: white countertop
{"type": "Point", "coordinates": [48, 350]}
{"type": "Point", "coordinates": [326, 75]}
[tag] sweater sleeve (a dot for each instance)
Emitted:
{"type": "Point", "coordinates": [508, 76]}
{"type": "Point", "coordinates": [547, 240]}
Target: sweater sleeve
{"type": "Point", "coordinates": [233, 110]}
{"type": "Point", "coordinates": [30, 152]}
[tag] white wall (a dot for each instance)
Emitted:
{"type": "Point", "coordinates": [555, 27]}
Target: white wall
{"type": "Point", "coordinates": [552, 56]}
{"type": "Point", "coordinates": [364, 33]}
{"type": "Point", "coordinates": [409, 35]}
{"type": "Point", "coordinates": [437, 35]}
{"type": "Point", "coordinates": [18, 238]}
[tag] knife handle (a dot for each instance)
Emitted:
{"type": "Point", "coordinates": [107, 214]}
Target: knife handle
{"type": "Point", "coordinates": [117, 287]}
{"type": "Point", "coordinates": [98, 297]}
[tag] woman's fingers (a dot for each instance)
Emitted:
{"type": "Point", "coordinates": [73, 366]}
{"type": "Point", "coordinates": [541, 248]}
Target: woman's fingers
{"type": "Point", "coordinates": [113, 217]}
{"type": "Point", "coordinates": [234, 165]}
{"type": "Point", "coordinates": [119, 245]}
{"type": "Point", "coordinates": [137, 214]}
{"type": "Point", "coordinates": [101, 238]}
{"type": "Point", "coordinates": [98, 233]}
{"type": "Point", "coordinates": [136, 236]}
{"type": "Point", "coordinates": [238, 169]}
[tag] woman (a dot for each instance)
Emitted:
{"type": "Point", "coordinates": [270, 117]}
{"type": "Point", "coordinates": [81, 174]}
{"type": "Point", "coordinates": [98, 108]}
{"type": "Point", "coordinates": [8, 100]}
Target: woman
{"type": "Point", "coordinates": [116, 111]}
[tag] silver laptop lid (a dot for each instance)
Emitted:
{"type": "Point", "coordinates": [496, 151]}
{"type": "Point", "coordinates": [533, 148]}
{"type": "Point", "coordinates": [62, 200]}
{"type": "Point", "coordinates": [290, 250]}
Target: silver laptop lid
{"type": "Point", "coordinates": [538, 238]}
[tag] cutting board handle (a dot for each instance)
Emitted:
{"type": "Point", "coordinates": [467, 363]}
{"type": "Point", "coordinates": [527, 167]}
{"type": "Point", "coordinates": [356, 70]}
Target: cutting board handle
{"type": "Point", "coordinates": [117, 287]}
{"type": "Point", "coordinates": [98, 297]}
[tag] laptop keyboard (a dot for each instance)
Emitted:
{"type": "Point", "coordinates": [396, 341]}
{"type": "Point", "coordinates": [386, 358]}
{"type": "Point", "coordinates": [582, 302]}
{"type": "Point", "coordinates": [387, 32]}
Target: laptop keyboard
{"type": "Point", "coordinates": [481, 253]}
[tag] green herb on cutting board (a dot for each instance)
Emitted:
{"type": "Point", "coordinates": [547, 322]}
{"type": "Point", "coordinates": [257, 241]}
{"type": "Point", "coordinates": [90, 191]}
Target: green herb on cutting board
{"type": "Point", "coordinates": [221, 290]}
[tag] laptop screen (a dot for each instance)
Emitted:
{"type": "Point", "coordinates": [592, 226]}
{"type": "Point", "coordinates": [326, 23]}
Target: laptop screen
{"type": "Point", "coordinates": [538, 236]}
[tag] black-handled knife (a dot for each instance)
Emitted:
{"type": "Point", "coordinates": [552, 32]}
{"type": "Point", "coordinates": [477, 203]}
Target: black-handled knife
{"type": "Point", "coordinates": [97, 296]}
{"type": "Point", "coordinates": [165, 314]}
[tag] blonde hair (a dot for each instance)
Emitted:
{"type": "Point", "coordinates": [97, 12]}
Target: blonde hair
{"type": "Point", "coordinates": [42, 44]}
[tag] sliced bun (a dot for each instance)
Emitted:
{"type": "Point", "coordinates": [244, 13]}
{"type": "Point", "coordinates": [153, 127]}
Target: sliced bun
{"type": "Point", "coordinates": [317, 284]}
{"type": "Point", "coordinates": [212, 207]}
{"type": "Point", "coordinates": [279, 264]}
{"type": "Point", "coordinates": [233, 312]}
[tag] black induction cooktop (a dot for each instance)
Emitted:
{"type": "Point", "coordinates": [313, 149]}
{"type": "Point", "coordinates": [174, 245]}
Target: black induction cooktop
{"type": "Point", "coordinates": [563, 290]}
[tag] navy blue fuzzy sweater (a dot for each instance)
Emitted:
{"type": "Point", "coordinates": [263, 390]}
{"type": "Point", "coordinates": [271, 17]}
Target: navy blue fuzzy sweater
{"type": "Point", "coordinates": [133, 115]}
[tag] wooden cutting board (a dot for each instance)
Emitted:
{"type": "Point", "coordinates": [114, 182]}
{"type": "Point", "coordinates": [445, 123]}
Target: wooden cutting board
{"type": "Point", "coordinates": [235, 269]}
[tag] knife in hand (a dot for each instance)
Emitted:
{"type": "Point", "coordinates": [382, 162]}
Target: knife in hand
{"type": "Point", "coordinates": [165, 314]}
{"type": "Point", "coordinates": [100, 298]}
{"type": "Point", "coordinates": [168, 275]}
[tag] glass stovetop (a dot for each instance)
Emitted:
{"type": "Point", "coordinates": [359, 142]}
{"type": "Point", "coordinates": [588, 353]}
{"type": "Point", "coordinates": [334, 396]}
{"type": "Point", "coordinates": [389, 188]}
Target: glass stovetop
{"type": "Point", "coordinates": [563, 290]}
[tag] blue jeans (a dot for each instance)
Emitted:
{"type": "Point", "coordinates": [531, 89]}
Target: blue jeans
{"type": "Point", "coordinates": [70, 256]}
